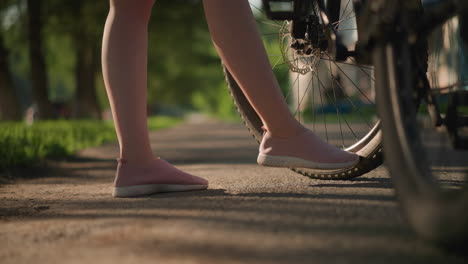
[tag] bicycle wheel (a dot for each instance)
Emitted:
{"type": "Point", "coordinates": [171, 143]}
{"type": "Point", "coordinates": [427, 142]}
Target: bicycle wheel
{"type": "Point", "coordinates": [429, 171]}
{"type": "Point", "coordinates": [333, 99]}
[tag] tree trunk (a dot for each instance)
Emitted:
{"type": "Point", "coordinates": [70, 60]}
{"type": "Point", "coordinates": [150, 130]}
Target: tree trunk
{"type": "Point", "coordinates": [86, 68]}
{"type": "Point", "coordinates": [38, 67]}
{"type": "Point", "coordinates": [9, 105]}
{"type": "Point", "coordinates": [87, 64]}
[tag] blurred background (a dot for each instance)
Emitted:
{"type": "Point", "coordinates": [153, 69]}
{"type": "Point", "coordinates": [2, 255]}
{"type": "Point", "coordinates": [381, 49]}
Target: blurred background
{"type": "Point", "coordinates": [53, 100]}
{"type": "Point", "coordinates": [52, 97]}
{"type": "Point", "coordinates": [50, 61]}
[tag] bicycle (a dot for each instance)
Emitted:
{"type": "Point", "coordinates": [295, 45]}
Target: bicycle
{"type": "Point", "coordinates": [359, 128]}
{"type": "Point", "coordinates": [421, 96]}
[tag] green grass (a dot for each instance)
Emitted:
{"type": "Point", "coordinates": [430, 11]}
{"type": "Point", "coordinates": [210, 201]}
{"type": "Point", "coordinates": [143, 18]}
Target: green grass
{"type": "Point", "coordinates": [23, 146]}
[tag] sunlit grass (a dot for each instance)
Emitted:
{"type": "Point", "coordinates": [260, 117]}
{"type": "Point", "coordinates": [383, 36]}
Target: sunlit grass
{"type": "Point", "coordinates": [23, 145]}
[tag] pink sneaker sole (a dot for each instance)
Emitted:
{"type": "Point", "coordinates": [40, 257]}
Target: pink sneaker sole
{"type": "Point", "coordinates": [293, 162]}
{"type": "Point", "coordinates": [147, 189]}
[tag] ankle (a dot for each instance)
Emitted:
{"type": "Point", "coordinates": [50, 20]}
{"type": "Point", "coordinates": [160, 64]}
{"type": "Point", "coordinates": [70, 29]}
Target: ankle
{"type": "Point", "coordinates": [136, 161]}
{"type": "Point", "coordinates": [286, 133]}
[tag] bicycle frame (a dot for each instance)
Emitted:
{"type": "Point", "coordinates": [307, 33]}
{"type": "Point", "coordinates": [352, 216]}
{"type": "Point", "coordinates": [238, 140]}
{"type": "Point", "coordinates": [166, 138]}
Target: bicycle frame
{"type": "Point", "coordinates": [436, 13]}
{"type": "Point", "coordinates": [375, 21]}
{"type": "Point", "coordinates": [394, 36]}
{"type": "Point", "coordinates": [304, 13]}
{"type": "Point", "coordinates": [371, 17]}
{"type": "Point", "coordinates": [299, 10]}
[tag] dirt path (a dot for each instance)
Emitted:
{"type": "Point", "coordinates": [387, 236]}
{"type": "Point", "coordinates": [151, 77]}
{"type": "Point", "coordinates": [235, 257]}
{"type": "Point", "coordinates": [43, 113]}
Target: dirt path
{"type": "Point", "coordinates": [250, 214]}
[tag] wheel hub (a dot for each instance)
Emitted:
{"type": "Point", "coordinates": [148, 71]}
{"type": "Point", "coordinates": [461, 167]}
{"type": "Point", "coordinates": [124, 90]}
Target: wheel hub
{"type": "Point", "coordinates": [303, 54]}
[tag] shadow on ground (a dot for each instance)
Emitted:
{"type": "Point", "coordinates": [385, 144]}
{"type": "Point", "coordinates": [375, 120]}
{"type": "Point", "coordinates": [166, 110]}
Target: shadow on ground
{"type": "Point", "coordinates": [250, 214]}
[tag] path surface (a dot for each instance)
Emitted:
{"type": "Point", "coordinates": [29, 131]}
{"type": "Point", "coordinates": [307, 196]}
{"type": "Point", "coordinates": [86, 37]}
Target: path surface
{"type": "Point", "coordinates": [250, 214]}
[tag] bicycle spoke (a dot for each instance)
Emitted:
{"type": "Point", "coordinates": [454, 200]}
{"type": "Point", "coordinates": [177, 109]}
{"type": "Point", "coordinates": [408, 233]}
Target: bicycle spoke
{"type": "Point", "coordinates": [349, 12]}
{"type": "Point", "coordinates": [286, 62]}
{"type": "Point", "coordinates": [261, 10]}
{"type": "Point", "coordinates": [299, 101]}
{"type": "Point", "coordinates": [268, 23]}
{"type": "Point", "coordinates": [346, 63]}
{"type": "Point", "coordinates": [337, 110]}
{"type": "Point", "coordinates": [292, 85]}
{"type": "Point", "coordinates": [313, 100]}
{"type": "Point", "coordinates": [344, 119]}
{"type": "Point", "coordinates": [296, 84]}
{"type": "Point", "coordinates": [303, 96]}
{"type": "Point", "coordinates": [276, 63]}
{"type": "Point", "coordinates": [362, 69]}
{"type": "Point", "coordinates": [351, 80]}
{"type": "Point", "coordinates": [337, 23]}
{"type": "Point", "coordinates": [349, 100]}
{"type": "Point", "coordinates": [321, 104]}
{"type": "Point", "coordinates": [300, 72]}
{"type": "Point", "coordinates": [344, 17]}
{"type": "Point", "coordinates": [345, 8]}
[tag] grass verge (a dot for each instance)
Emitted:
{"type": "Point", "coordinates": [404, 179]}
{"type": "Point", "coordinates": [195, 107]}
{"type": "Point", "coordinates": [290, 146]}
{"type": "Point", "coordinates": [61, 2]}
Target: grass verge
{"type": "Point", "coordinates": [23, 145]}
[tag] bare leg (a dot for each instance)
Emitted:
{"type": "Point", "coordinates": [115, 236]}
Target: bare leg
{"type": "Point", "coordinates": [124, 66]}
{"type": "Point", "coordinates": [234, 33]}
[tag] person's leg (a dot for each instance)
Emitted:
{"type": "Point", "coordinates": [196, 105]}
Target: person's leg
{"type": "Point", "coordinates": [235, 35]}
{"type": "Point", "coordinates": [124, 67]}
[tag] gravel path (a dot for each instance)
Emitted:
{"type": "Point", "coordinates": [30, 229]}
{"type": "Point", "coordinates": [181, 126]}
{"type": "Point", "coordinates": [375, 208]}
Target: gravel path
{"type": "Point", "coordinates": [250, 214]}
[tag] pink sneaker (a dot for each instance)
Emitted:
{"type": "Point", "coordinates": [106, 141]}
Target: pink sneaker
{"type": "Point", "coordinates": [305, 150]}
{"type": "Point", "coordinates": [133, 180]}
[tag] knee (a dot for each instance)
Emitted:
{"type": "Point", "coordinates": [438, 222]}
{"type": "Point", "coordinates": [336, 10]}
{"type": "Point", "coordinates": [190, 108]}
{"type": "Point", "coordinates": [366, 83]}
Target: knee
{"type": "Point", "coordinates": [139, 10]}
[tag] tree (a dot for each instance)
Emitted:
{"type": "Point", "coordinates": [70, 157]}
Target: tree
{"type": "Point", "coordinates": [81, 22]}
{"type": "Point", "coordinates": [87, 62]}
{"type": "Point", "coordinates": [87, 57]}
{"type": "Point", "coordinates": [182, 59]}
{"type": "Point", "coordinates": [9, 105]}
{"type": "Point", "coordinates": [37, 61]}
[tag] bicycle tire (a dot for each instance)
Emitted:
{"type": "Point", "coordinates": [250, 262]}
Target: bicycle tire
{"type": "Point", "coordinates": [436, 214]}
{"type": "Point", "coordinates": [368, 147]}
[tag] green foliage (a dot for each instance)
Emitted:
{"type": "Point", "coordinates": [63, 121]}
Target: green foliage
{"type": "Point", "coordinates": [182, 60]}
{"type": "Point", "coordinates": [183, 66]}
{"type": "Point", "coordinates": [160, 122]}
{"type": "Point", "coordinates": [68, 25]}
{"type": "Point", "coordinates": [61, 67]}
{"type": "Point", "coordinates": [218, 102]}
{"type": "Point", "coordinates": [22, 145]}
